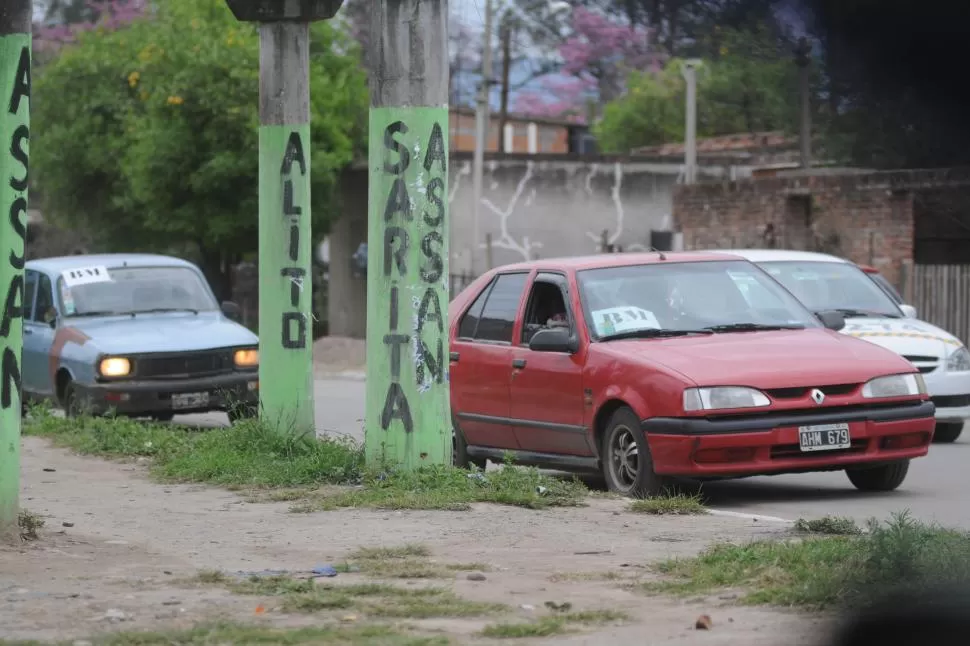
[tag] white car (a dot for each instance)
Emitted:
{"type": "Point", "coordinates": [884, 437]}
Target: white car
{"type": "Point", "coordinates": [824, 282]}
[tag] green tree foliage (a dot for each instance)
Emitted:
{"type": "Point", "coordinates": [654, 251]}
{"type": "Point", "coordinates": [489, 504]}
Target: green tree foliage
{"type": "Point", "coordinates": [750, 85]}
{"type": "Point", "coordinates": [148, 134]}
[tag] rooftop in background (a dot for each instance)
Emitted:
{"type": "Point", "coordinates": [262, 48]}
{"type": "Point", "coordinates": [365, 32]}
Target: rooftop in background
{"type": "Point", "coordinates": [741, 142]}
{"type": "Point", "coordinates": [522, 133]}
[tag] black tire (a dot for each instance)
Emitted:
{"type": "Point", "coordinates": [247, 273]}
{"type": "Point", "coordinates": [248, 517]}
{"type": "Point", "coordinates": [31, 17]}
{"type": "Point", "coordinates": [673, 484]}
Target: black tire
{"type": "Point", "coordinates": [459, 450]}
{"type": "Point", "coordinates": [947, 432]}
{"type": "Point", "coordinates": [71, 403]}
{"type": "Point", "coordinates": [886, 477]}
{"type": "Point", "coordinates": [163, 417]}
{"type": "Point", "coordinates": [629, 477]}
{"type": "Point", "coordinates": [240, 412]}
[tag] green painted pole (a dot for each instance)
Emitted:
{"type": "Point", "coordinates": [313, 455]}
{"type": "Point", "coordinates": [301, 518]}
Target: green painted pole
{"type": "Point", "coordinates": [15, 54]}
{"type": "Point", "coordinates": [408, 409]}
{"type": "Point", "coordinates": [285, 292]}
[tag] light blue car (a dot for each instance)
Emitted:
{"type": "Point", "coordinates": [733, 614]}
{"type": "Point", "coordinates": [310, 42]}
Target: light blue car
{"type": "Point", "coordinates": [139, 334]}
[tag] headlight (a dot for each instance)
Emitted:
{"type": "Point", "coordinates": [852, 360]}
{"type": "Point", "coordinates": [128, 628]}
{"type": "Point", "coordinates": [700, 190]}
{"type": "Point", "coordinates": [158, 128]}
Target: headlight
{"type": "Point", "coordinates": [114, 367]}
{"type": "Point", "coordinates": [246, 358]}
{"type": "Point", "coordinates": [959, 361]}
{"type": "Point", "coordinates": [723, 397]}
{"type": "Point", "coordinates": [894, 386]}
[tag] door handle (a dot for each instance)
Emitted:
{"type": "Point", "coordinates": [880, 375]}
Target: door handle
{"type": "Point", "coordinates": [453, 357]}
{"type": "Point", "coordinates": [518, 363]}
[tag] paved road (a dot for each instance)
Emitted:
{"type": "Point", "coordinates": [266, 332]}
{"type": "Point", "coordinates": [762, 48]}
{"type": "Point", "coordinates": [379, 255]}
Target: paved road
{"type": "Point", "coordinates": [933, 492]}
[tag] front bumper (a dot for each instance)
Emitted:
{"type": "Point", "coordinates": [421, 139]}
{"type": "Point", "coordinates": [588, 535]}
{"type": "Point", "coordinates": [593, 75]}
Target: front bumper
{"type": "Point", "coordinates": [156, 396]}
{"type": "Point", "coordinates": [768, 443]}
{"type": "Point", "coordinates": [950, 391]}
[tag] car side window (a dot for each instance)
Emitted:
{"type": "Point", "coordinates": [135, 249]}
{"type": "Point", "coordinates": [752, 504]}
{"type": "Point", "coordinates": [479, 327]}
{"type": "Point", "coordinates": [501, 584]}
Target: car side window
{"type": "Point", "coordinates": [44, 309]}
{"type": "Point", "coordinates": [30, 288]}
{"type": "Point", "coordinates": [501, 307]}
{"type": "Point", "coordinates": [546, 309]}
{"type": "Point", "coordinates": [469, 322]}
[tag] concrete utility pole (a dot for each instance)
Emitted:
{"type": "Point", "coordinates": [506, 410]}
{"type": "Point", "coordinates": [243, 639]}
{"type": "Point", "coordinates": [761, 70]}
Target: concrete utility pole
{"type": "Point", "coordinates": [285, 254]}
{"type": "Point", "coordinates": [802, 59]}
{"type": "Point", "coordinates": [482, 120]}
{"type": "Point", "coordinates": [505, 35]}
{"type": "Point", "coordinates": [15, 56]}
{"type": "Point", "coordinates": [408, 412]}
{"type": "Point", "coordinates": [690, 130]}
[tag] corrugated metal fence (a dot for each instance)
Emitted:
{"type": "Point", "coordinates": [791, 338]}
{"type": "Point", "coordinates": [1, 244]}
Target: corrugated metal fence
{"type": "Point", "coordinates": [941, 296]}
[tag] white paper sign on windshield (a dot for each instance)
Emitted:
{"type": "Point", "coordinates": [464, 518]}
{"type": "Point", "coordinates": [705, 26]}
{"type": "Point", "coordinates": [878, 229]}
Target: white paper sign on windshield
{"type": "Point", "coordinates": [624, 319]}
{"type": "Point", "coordinates": [86, 275]}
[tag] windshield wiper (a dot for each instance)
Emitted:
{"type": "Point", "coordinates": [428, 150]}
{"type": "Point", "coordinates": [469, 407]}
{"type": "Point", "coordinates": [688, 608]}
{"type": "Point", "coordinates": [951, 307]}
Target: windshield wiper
{"type": "Point", "coordinates": [155, 310]}
{"type": "Point", "coordinates": [751, 327]}
{"type": "Point", "coordinates": [651, 333]}
{"type": "Point", "coordinates": [850, 313]}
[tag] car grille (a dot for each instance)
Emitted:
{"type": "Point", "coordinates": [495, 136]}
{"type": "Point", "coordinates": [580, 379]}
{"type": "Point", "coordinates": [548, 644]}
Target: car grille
{"type": "Point", "coordinates": [183, 365]}
{"type": "Point", "coordinates": [924, 363]}
{"type": "Point", "coordinates": [802, 391]}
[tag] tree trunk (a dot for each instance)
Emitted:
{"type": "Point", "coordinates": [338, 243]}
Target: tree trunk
{"type": "Point", "coordinates": [217, 268]}
{"type": "Point", "coordinates": [503, 115]}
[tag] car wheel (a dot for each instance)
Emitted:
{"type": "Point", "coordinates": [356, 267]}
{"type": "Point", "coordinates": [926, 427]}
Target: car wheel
{"type": "Point", "coordinates": [459, 450]}
{"type": "Point", "coordinates": [947, 432]}
{"type": "Point", "coordinates": [241, 412]}
{"type": "Point", "coordinates": [625, 454]}
{"type": "Point", "coordinates": [887, 477]}
{"type": "Point", "coordinates": [72, 405]}
{"type": "Point", "coordinates": [163, 417]}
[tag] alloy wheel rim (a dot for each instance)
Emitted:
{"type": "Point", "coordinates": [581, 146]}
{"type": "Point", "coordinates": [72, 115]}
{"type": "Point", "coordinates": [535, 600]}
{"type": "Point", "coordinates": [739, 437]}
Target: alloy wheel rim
{"type": "Point", "coordinates": [624, 458]}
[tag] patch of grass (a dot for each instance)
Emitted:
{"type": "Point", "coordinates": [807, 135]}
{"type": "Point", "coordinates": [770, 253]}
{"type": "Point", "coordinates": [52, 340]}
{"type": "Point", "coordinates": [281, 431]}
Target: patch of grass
{"type": "Point", "coordinates": [552, 624]}
{"type": "Point", "coordinates": [836, 525]}
{"type": "Point", "coordinates": [373, 635]}
{"type": "Point", "coordinates": [821, 571]}
{"type": "Point", "coordinates": [671, 505]}
{"type": "Point", "coordinates": [450, 488]}
{"type": "Point", "coordinates": [29, 524]}
{"type": "Point", "coordinates": [403, 562]}
{"type": "Point", "coordinates": [609, 575]}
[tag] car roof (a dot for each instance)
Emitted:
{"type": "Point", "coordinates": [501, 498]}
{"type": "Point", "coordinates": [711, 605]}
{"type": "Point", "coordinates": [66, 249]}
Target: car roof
{"type": "Point", "coordinates": [60, 264]}
{"type": "Point", "coordinates": [603, 260]}
{"type": "Point", "coordinates": [779, 255]}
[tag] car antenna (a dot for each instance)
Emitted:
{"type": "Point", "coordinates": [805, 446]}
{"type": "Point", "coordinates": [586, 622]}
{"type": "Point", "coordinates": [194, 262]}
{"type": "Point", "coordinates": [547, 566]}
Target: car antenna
{"type": "Point", "coordinates": [662, 256]}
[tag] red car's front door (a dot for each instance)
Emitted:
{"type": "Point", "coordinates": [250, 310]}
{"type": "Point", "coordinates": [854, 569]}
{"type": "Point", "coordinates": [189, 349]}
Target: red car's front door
{"type": "Point", "coordinates": [548, 408]}
{"type": "Point", "coordinates": [481, 363]}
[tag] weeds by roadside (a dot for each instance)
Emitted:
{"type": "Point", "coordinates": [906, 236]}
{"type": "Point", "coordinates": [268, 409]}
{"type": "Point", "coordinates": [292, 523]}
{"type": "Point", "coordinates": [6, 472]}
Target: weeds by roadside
{"type": "Point", "coordinates": [404, 562]}
{"type": "Point", "coordinates": [29, 524]}
{"type": "Point", "coordinates": [835, 525]}
{"type": "Point", "coordinates": [554, 624]}
{"type": "Point", "coordinates": [821, 571]}
{"type": "Point", "coordinates": [671, 505]}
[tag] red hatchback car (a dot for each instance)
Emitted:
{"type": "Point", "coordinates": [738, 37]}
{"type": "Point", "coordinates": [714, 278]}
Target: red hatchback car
{"type": "Point", "coordinates": [651, 366]}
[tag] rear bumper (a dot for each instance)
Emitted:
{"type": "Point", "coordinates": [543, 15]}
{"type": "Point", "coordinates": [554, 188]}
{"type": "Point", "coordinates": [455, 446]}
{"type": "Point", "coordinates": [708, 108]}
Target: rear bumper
{"type": "Point", "coordinates": [155, 397]}
{"type": "Point", "coordinates": [699, 447]}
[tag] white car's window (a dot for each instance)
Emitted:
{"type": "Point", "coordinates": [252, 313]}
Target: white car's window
{"type": "Point", "coordinates": [136, 289]}
{"type": "Point", "coordinates": [672, 296]}
{"type": "Point", "coordinates": [833, 286]}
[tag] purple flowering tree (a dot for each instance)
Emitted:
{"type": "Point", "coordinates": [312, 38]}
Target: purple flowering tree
{"type": "Point", "coordinates": [65, 19]}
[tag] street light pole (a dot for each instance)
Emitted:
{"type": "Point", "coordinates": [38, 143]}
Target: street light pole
{"type": "Point", "coordinates": [690, 139]}
{"type": "Point", "coordinates": [408, 420]}
{"type": "Point", "coordinates": [285, 254]}
{"type": "Point", "coordinates": [15, 58]}
{"type": "Point", "coordinates": [482, 119]}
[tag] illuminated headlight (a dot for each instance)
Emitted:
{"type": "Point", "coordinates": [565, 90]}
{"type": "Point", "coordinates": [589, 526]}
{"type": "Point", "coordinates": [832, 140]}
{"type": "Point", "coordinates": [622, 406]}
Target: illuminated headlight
{"type": "Point", "coordinates": [894, 386]}
{"type": "Point", "coordinates": [959, 361]}
{"type": "Point", "coordinates": [115, 367]}
{"type": "Point", "coordinates": [723, 397]}
{"type": "Point", "coordinates": [246, 358]}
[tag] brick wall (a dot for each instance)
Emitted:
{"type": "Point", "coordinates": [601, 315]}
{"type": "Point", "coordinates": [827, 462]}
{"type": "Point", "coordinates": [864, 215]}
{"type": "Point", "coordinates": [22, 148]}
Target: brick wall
{"type": "Point", "coordinates": [867, 218]}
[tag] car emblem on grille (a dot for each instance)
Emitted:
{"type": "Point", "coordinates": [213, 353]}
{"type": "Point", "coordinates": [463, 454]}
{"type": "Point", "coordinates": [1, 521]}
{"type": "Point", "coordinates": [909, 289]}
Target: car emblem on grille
{"type": "Point", "coordinates": [818, 396]}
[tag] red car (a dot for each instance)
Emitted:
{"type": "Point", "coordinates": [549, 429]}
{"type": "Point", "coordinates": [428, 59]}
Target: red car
{"type": "Point", "coordinates": [660, 365]}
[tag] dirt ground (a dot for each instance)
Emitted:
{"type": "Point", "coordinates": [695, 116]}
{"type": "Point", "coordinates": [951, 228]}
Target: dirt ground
{"type": "Point", "coordinates": [117, 548]}
{"type": "Point", "coordinates": [336, 354]}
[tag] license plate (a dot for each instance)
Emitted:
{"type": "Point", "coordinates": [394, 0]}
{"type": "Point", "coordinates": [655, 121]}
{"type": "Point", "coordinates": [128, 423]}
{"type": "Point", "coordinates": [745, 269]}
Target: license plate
{"type": "Point", "coordinates": [181, 401]}
{"type": "Point", "coordinates": [824, 437]}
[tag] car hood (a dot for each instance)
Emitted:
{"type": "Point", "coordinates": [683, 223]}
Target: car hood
{"type": "Point", "coordinates": [905, 336]}
{"type": "Point", "coordinates": [777, 359]}
{"type": "Point", "coordinates": [169, 332]}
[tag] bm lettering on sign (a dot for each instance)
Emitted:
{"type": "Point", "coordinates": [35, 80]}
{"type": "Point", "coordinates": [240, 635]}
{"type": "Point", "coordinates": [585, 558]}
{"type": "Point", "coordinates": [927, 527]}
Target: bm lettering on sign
{"type": "Point", "coordinates": [398, 211]}
{"type": "Point", "coordinates": [294, 321]}
{"type": "Point", "coordinates": [13, 304]}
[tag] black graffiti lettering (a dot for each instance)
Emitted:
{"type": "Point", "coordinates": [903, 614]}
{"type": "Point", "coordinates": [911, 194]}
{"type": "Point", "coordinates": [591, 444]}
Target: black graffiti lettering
{"type": "Point", "coordinates": [396, 341]}
{"type": "Point", "coordinates": [393, 145]}
{"type": "Point", "coordinates": [295, 274]}
{"type": "Point", "coordinates": [289, 342]}
{"type": "Point", "coordinates": [20, 136]}
{"type": "Point", "coordinates": [396, 407]}
{"type": "Point", "coordinates": [435, 187]}
{"type": "Point", "coordinates": [430, 310]}
{"type": "Point", "coordinates": [288, 207]}
{"type": "Point", "coordinates": [394, 313]}
{"type": "Point", "coordinates": [436, 149]}
{"type": "Point", "coordinates": [434, 365]}
{"type": "Point", "coordinates": [10, 377]}
{"type": "Point", "coordinates": [398, 256]}
{"type": "Point", "coordinates": [431, 271]}
{"type": "Point", "coordinates": [398, 201]}
{"type": "Point", "coordinates": [13, 307]}
{"type": "Point", "coordinates": [294, 242]}
{"type": "Point", "coordinates": [21, 82]}
{"type": "Point", "coordinates": [18, 208]}
{"type": "Point", "coordinates": [293, 153]}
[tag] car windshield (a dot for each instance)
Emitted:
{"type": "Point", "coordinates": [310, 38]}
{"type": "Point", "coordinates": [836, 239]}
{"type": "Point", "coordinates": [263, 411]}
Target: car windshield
{"type": "Point", "coordinates": [670, 298]}
{"type": "Point", "coordinates": [134, 290]}
{"type": "Point", "coordinates": [833, 286]}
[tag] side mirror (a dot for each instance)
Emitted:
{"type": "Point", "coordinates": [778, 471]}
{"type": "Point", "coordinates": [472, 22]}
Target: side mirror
{"type": "Point", "coordinates": [909, 311]}
{"type": "Point", "coordinates": [231, 310]}
{"type": "Point", "coordinates": [834, 321]}
{"type": "Point", "coordinates": [552, 340]}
